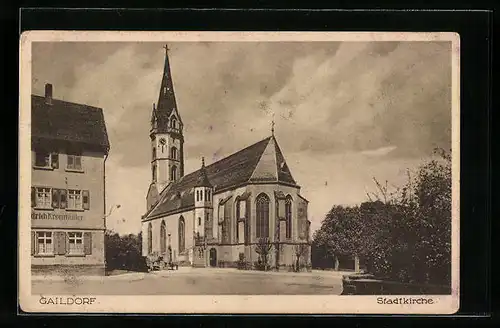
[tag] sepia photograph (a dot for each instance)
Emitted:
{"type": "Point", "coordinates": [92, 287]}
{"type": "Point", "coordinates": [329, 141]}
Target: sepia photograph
{"type": "Point", "coordinates": [239, 172]}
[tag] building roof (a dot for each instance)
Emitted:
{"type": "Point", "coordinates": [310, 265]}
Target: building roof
{"type": "Point", "coordinates": [68, 121]}
{"type": "Point", "coordinates": [259, 163]}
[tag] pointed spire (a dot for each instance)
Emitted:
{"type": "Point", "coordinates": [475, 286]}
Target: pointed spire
{"type": "Point", "coordinates": [166, 99]}
{"type": "Point", "coordinates": [202, 180]}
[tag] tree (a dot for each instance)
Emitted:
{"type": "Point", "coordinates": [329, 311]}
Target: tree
{"type": "Point", "coordinates": [300, 251]}
{"type": "Point", "coordinates": [124, 252]}
{"type": "Point", "coordinates": [340, 234]}
{"type": "Point", "coordinates": [403, 235]}
{"type": "Point", "coordinates": [263, 248]}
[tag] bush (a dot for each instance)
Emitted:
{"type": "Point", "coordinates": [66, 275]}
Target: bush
{"type": "Point", "coordinates": [241, 264]}
{"type": "Point", "coordinates": [124, 252]}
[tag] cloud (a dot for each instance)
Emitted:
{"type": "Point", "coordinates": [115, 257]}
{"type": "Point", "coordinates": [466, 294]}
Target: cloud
{"type": "Point", "coordinates": [345, 112]}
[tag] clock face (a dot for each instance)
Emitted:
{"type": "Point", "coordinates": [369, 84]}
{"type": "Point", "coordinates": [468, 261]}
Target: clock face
{"type": "Point", "coordinates": [162, 141]}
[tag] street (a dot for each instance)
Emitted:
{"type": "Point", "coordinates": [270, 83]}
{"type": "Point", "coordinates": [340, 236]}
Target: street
{"type": "Point", "coordinates": [189, 281]}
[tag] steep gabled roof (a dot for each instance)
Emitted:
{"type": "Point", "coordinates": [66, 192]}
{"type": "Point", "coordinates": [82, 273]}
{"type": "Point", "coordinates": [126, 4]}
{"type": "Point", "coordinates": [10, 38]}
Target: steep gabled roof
{"type": "Point", "coordinates": [260, 162]}
{"type": "Point", "coordinates": [68, 121]}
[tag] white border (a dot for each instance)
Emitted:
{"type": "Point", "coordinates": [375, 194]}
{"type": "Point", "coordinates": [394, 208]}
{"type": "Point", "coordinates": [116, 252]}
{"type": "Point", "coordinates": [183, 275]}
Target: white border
{"type": "Point", "coordinates": [217, 303]}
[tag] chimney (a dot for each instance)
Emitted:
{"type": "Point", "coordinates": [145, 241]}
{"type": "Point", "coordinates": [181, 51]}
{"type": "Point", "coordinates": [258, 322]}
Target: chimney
{"type": "Point", "coordinates": [48, 94]}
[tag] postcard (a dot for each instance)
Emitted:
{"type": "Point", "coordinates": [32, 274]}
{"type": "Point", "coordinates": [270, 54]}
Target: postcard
{"type": "Point", "coordinates": [239, 172]}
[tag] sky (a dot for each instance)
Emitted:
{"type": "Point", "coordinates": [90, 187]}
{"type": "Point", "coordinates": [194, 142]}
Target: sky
{"type": "Point", "coordinates": [344, 112]}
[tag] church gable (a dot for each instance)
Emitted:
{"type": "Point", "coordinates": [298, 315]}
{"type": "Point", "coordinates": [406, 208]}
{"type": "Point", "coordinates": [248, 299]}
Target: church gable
{"type": "Point", "coordinates": [266, 167]}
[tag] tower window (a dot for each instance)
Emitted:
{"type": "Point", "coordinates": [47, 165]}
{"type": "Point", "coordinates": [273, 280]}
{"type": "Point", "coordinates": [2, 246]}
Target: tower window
{"type": "Point", "coordinates": [173, 173]}
{"type": "Point", "coordinates": [173, 153]}
{"type": "Point", "coordinates": [173, 123]}
{"type": "Point", "coordinates": [154, 152]}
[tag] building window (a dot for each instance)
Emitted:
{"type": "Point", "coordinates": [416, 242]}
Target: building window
{"type": "Point", "coordinates": [43, 197]}
{"type": "Point", "coordinates": [173, 153]}
{"type": "Point", "coordinates": [182, 242]}
{"type": "Point", "coordinates": [74, 162]}
{"type": "Point", "coordinates": [163, 237]}
{"type": "Point", "coordinates": [199, 221]}
{"type": "Point", "coordinates": [288, 216]}
{"type": "Point", "coordinates": [209, 195]}
{"type": "Point", "coordinates": [237, 204]}
{"type": "Point", "coordinates": [173, 173]}
{"type": "Point", "coordinates": [154, 153]}
{"type": "Point", "coordinates": [45, 244]}
{"type": "Point", "coordinates": [46, 159]}
{"type": "Point", "coordinates": [208, 226]}
{"type": "Point", "coordinates": [42, 159]}
{"type": "Point", "coordinates": [173, 123]}
{"type": "Point", "coordinates": [150, 238]}
{"type": "Point", "coordinates": [262, 210]}
{"type": "Point", "coordinates": [75, 240]}
{"type": "Point", "coordinates": [74, 199]}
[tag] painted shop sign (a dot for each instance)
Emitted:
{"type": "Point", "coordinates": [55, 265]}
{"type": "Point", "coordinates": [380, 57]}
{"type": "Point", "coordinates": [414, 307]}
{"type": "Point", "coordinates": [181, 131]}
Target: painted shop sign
{"type": "Point", "coordinates": [51, 216]}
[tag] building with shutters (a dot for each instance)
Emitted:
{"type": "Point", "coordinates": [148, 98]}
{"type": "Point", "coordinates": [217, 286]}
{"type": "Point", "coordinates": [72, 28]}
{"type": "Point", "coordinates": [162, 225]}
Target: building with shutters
{"type": "Point", "coordinates": [222, 213]}
{"type": "Point", "coordinates": [69, 150]}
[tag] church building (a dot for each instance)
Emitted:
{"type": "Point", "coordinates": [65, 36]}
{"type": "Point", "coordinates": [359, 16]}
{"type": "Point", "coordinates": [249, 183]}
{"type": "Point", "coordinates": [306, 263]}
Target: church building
{"type": "Point", "coordinates": [226, 212]}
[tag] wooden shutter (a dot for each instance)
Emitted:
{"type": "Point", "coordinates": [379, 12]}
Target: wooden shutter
{"type": "Point", "coordinates": [33, 242]}
{"type": "Point", "coordinates": [60, 242]}
{"type": "Point", "coordinates": [62, 198]}
{"type": "Point", "coordinates": [86, 199]}
{"type": "Point", "coordinates": [87, 243]}
{"type": "Point", "coordinates": [55, 160]}
{"type": "Point", "coordinates": [33, 197]}
{"type": "Point", "coordinates": [55, 198]}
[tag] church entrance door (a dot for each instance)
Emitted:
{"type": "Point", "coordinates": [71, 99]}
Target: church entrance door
{"type": "Point", "coordinates": [213, 257]}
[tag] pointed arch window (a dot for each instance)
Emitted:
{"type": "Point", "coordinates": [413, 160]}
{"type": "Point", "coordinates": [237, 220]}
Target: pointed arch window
{"type": "Point", "coordinates": [182, 241]}
{"type": "Point", "coordinates": [173, 173]}
{"type": "Point", "coordinates": [173, 123]}
{"type": "Point", "coordinates": [150, 238]}
{"type": "Point", "coordinates": [173, 153]}
{"type": "Point", "coordinates": [163, 237]}
{"type": "Point", "coordinates": [288, 216]}
{"type": "Point", "coordinates": [262, 211]}
{"type": "Point", "coordinates": [237, 204]}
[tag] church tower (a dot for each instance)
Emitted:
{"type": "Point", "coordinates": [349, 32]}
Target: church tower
{"type": "Point", "coordinates": [167, 140]}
